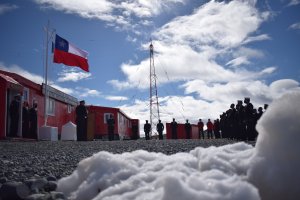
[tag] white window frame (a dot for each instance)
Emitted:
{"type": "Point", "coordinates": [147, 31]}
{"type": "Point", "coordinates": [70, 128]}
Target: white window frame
{"type": "Point", "coordinates": [26, 91]}
{"type": "Point", "coordinates": [106, 117]}
{"type": "Point", "coordinates": [69, 108]}
{"type": "Point", "coordinates": [52, 102]}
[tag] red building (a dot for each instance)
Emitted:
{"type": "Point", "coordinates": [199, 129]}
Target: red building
{"type": "Point", "coordinates": [60, 108]}
{"type": "Point", "coordinates": [181, 131]}
{"type": "Point", "coordinates": [124, 128]}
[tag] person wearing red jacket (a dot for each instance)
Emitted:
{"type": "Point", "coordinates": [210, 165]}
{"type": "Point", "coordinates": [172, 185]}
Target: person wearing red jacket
{"type": "Point", "coordinates": [210, 128]}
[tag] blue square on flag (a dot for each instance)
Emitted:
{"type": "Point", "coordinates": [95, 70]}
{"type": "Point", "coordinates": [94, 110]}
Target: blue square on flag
{"type": "Point", "coordinates": [61, 44]}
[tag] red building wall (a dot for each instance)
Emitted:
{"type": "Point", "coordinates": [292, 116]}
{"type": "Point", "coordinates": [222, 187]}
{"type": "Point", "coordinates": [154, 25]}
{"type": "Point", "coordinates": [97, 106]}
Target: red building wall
{"type": "Point", "coordinates": [123, 124]}
{"type": "Point", "coordinates": [100, 127]}
{"type": "Point", "coordinates": [181, 131]}
{"type": "Point", "coordinates": [60, 118]}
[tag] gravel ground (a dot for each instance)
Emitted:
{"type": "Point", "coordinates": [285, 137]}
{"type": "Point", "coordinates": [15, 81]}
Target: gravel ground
{"type": "Point", "coordinates": [42, 163]}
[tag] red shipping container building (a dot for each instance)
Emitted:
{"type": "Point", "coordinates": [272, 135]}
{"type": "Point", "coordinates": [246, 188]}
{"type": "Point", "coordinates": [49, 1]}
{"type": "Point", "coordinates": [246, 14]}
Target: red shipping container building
{"type": "Point", "coordinates": [61, 109]}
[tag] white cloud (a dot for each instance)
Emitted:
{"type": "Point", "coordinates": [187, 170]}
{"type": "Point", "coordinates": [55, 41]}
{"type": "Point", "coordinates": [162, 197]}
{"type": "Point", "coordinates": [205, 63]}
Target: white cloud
{"type": "Point", "coordinates": [257, 38]}
{"type": "Point", "coordinates": [72, 75]}
{"type": "Point", "coordinates": [18, 70]}
{"type": "Point", "coordinates": [294, 2]}
{"type": "Point", "coordinates": [63, 89]}
{"type": "Point", "coordinates": [268, 70]}
{"type": "Point", "coordinates": [295, 26]}
{"type": "Point", "coordinates": [86, 92]}
{"type": "Point", "coordinates": [117, 13]}
{"type": "Point", "coordinates": [280, 87]}
{"type": "Point", "coordinates": [238, 61]}
{"type": "Point", "coordinates": [116, 98]}
{"type": "Point", "coordinates": [4, 8]}
{"type": "Point", "coordinates": [188, 47]}
{"type": "Point", "coordinates": [218, 23]}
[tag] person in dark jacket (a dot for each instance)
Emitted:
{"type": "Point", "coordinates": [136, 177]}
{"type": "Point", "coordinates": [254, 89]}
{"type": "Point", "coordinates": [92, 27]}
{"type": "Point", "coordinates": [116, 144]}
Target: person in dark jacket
{"type": "Point", "coordinates": [147, 129]}
{"type": "Point", "coordinates": [200, 129]}
{"type": "Point", "coordinates": [25, 120]}
{"type": "Point", "coordinates": [188, 128]}
{"type": "Point", "coordinates": [174, 129]}
{"type": "Point", "coordinates": [217, 128]}
{"type": "Point", "coordinates": [33, 121]}
{"type": "Point", "coordinates": [160, 128]}
{"type": "Point", "coordinates": [111, 127]}
{"type": "Point", "coordinates": [14, 110]}
{"type": "Point", "coordinates": [81, 121]}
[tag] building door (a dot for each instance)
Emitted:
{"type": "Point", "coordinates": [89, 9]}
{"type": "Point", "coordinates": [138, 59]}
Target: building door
{"type": "Point", "coordinates": [91, 126]}
{"type": "Point", "coordinates": [13, 114]}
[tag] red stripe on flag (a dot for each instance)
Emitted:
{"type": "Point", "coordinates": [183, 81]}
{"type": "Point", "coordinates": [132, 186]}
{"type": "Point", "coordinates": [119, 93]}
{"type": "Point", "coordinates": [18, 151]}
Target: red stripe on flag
{"type": "Point", "coordinates": [70, 59]}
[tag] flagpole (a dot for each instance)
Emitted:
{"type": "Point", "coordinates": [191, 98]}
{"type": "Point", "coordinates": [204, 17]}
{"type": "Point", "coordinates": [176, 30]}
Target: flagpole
{"type": "Point", "coordinates": [46, 75]}
{"type": "Point", "coordinates": [48, 39]}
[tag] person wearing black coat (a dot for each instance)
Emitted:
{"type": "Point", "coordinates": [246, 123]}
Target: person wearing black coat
{"type": "Point", "coordinates": [25, 120]}
{"type": "Point", "coordinates": [174, 129]}
{"type": "Point", "coordinates": [81, 121]}
{"type": "Point", "coordinates": [111, 127]}
{"type": "Point", "coordinates": [147, 129]}
{"type": "Point", "coordinates": [33, 121]}
{"type": "Point", "coordinates": [160, 128]}
{"type": "Point", "coordinates": [188, 128]}
{"type": "Point", "coordinates": [14, 116]}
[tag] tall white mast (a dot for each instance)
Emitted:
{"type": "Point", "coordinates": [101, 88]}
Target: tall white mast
{"type": "Point", "coordinates": [48, 39]}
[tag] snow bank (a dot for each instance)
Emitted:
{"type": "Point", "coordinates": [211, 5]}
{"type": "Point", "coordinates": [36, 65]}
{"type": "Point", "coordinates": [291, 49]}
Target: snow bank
{"type": "Point", "coordinates": [276, 161]}
{"type": "Point", "coordinates": [211, 173]}
{"type": "Point", "coordinates": [237, 171]}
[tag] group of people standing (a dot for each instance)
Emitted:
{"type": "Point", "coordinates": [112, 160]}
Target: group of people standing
{"type": "Point", "coordinates": [29, 118]}
{"type": "Point", "coordinates": [159, 128]}
{"type": "Point", "coordinates": [174, 126]}
{"type": "Point", "coordinates": [237, 123]}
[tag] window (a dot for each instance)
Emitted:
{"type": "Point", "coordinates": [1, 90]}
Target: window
{"type": "Point", "coordinates": [26, 94]}
{"type": "Point", "coordinates": [106, 117]}
{"type": "Point", "coordinates": [50, 106]}
{"type": "Point", "coordinates": [69, 108]}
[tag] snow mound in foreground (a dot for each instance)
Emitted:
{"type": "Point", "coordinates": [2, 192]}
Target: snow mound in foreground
{"type": "Point", "coordinates": [237, 171]}
{"type": "Point", "coordinates": [276, 161]}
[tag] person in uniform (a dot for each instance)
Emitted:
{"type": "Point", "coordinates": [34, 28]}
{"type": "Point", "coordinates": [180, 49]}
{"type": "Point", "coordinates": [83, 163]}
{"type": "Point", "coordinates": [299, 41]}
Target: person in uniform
{"type": "Point", "coordinates": [174, 129]}
{"type": "Point", "coordinates": [147, 128]}
{"type": "Point", "coordinates": [33, 121]}
{"type": "Point", "coordinates": [160, 128]}
{"type": "Point", "coordinates": [14, 115]}
{"type": "Point", "coordinates": [25, 120]}
{"type": "Point", "coordinates": [188, 128]}
{"type": "Point", "coordinates": [111, 127]}
{"type": "Point", "coordinates": [81, 121]}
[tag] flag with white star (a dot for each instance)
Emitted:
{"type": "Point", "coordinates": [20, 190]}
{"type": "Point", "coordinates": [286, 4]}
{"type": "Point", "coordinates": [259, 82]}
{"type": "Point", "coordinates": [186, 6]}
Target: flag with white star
{"type": "Point", "coordinates": [68, 54]}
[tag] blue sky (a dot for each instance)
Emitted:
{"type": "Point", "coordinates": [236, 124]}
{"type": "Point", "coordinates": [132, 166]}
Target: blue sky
{"type": "Point", "coordinates": [208, 54]}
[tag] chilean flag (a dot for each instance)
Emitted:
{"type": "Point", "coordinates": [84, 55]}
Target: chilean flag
{"type": "Point", "coordinates": [68, 54]}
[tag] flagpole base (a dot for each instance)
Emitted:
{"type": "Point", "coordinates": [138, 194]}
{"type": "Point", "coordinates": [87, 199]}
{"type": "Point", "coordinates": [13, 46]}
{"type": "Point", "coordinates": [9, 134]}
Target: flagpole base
{"type": "Point", "coordinates": [49, 133]}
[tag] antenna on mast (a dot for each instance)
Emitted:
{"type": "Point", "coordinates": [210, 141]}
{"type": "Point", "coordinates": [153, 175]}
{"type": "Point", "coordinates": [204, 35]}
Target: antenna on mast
{"type": "Point", "coordinates": [154, 105]}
